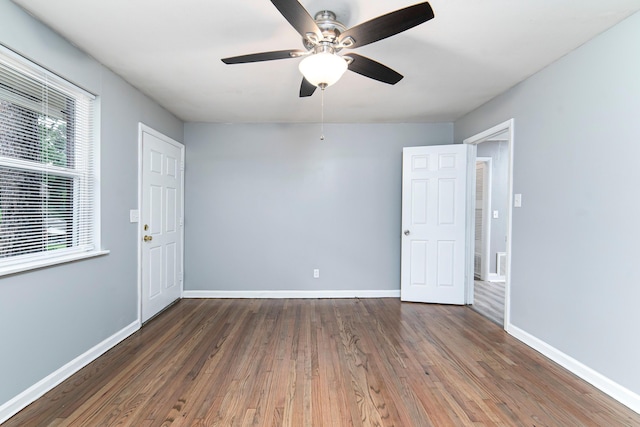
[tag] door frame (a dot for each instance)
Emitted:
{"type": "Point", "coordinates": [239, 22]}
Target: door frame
{"type": "Point", "coordinates": [508, 127]}
{"type": "Point", "coordinates": [142, 128]}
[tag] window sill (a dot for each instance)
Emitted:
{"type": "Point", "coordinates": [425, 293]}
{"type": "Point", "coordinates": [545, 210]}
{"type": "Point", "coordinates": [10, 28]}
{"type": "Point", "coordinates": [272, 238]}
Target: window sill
{"type": "Point", "coordinates": [33, 265]}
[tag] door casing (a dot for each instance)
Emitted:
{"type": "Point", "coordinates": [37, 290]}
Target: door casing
{"type": "Point", "coordinates": [507, 127]}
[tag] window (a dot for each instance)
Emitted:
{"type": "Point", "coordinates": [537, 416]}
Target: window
{"type": "Point", "coordinates": [47, 174]}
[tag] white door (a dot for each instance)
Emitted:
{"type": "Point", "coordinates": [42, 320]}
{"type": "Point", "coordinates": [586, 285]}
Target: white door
{"type": "Point", "coordinates": [160, 222]}
{"type": "Point", "coordinates": [434, 197]}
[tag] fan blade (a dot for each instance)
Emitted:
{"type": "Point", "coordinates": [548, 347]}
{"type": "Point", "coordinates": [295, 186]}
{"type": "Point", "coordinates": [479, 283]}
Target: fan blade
{"type": "Point", "coordinates": [264, 56]}
{"type": "Point", "coordinates": [374, 70]}
{"type": "Point", "coordinates": [298, 17]}
{"type": "Point", "coordinates": [387, 25]}
{"type": "Point", "coordinates": [306, 88]}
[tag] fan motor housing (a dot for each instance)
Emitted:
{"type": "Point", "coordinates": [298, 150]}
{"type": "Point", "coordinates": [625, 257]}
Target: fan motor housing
{"type": "Point", "coordinates": [331, 30]}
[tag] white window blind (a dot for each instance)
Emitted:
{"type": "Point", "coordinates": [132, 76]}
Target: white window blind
{"type": "Point", "coordinates": [47, 173]}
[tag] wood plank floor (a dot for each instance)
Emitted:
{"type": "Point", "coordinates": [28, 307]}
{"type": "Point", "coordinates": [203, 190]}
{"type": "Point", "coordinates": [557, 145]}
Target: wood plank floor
{"type": "Point", "coordinates": [488, 300]}
{"type": "Point", "coordinates": [348, 362]}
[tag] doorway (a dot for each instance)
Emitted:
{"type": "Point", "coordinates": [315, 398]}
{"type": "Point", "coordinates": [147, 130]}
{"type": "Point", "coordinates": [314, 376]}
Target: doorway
{"type": "Point", "coordinates": [492, 203]}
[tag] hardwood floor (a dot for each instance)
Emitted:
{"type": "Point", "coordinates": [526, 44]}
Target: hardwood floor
{"type": "Point", "coordinates": [370, 362]}
{"type": "Point", "coordinates": [488, 300]}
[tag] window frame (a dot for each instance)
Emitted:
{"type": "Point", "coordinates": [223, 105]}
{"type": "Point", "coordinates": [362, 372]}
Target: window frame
{"type": "Point", "coordinates": [22, 262]}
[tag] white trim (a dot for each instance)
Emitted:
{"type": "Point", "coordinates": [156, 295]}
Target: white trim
{"type": "Point", "coordinates": [97, 171]}
{"type": "Point", "coordinates": [604, 384]}
{"type": "Point", "coordinates": [22, 400]}
{"type": "Point", "coordinates": [495, 278]}
{"type": "Point", "coordinates": [487, 134]}
{"type": "Point", "coordinates": [391, 293]}
{"type": "Point", "coordinates": [470, 222]}
{"type": "Point", "coordinates": [47, 262]}
{"type": "Point", "coordinates": [26, 65]}
{"type": "Point", "coordinates": [141, 128]}
{"type": "Point", "coordinates": [474, 140]}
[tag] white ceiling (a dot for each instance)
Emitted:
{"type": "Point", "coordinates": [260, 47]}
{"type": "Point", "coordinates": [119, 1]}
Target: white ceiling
{"type": "Point", "coordinates": [470, 52]}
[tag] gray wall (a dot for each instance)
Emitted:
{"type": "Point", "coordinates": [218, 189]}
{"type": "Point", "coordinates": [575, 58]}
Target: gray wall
{"type": "Point", "coordinates": [268, 203]}
{"type": "Point", "coordinates": [575, 275]}
{"type": "Point", "coordinates": [499, 153]}
{"type": "Point", "coordinates": [50, 316]}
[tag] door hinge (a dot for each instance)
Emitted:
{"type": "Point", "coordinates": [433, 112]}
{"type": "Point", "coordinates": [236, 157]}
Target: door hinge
{"type": "Point", "coordinates": [182, 165]}
{"type": "Point", "coordinates": [181, 222]}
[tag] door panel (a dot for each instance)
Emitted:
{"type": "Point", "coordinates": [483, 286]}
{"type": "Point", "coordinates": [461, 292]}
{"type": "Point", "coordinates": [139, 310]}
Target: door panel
{"type": "Point", "coordinates": [155, 210]}
{"type": "Point", "coordinates": [420, 192]}
{"type": "Point", "coordinates": [446, 201]}
{"type": "Point", "coordinates": [433, 265]}
{"type": "Point", "coordinates": [419, 266]}
{"type": "Point", "coordinates": [155, 272]}
{"type": "Point", "coordinates": [170, 263]}
{"type": "Point", "coordinates": [171, 224]}
{"type": "Point", "coordinates": [446, 263]}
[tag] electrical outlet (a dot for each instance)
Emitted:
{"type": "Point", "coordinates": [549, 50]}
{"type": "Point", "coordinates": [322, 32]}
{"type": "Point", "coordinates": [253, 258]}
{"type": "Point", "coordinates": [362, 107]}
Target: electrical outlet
{"type": "Point", "coordinates": [316, 273]}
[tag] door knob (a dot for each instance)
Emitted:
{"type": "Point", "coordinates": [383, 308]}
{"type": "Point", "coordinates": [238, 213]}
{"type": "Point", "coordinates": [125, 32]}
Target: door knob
{"type": "Point", "coordinates": [147, 238]}
{"type": "Point", "coordinates": [407, 232]}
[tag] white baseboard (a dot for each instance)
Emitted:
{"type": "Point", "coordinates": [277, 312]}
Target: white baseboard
{"type": "Point", "coordinates": [606, 385]}
{"type": "Point", "coordinates": [493, 277]}
{"type": "Point", "coordinates": [19, 402]}
{"type": "Point", "coordinates": [395, 293]}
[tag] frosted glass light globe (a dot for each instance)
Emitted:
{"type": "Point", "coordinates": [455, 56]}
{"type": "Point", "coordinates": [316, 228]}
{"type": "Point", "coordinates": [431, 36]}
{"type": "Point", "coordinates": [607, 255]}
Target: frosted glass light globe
{"type": "Point", "coordinates": [323, 69]}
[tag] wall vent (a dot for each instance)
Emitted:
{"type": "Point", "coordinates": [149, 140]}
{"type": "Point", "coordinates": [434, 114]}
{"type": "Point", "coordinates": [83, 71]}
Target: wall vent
{"type": "Point", "coordinates": [501, 263]}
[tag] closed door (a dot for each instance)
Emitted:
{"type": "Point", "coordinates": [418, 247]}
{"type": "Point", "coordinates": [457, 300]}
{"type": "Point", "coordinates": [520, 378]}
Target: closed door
{"type": "Point", "coordinates": [434, 196]}
{"type": "Point", "coordinates": [160, 222]}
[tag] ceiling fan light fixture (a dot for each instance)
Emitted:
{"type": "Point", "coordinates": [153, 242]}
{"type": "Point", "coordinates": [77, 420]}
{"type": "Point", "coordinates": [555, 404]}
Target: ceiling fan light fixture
{"type": "Point", "coordinates": [323, 69]}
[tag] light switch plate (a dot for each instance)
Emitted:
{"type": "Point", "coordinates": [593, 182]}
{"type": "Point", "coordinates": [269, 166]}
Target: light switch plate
{"type": "Point", "coordinates": [134, 215]}
{"type": "Point", "coordinates": [496, 214]}
{"type": "Point", "coordinates": [517, 200]}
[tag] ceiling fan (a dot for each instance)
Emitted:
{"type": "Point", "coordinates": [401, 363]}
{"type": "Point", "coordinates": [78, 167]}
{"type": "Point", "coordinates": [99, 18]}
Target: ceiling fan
{"type": "Point", "coordinates": [323, 37]}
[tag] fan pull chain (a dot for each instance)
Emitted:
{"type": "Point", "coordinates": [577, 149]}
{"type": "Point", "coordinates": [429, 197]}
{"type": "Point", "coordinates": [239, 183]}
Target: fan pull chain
{"type": "Point", "coordinates": [322, 116]}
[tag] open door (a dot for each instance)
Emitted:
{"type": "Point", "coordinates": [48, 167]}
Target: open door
{"type": "Point", "coordinates": [434, 224]}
